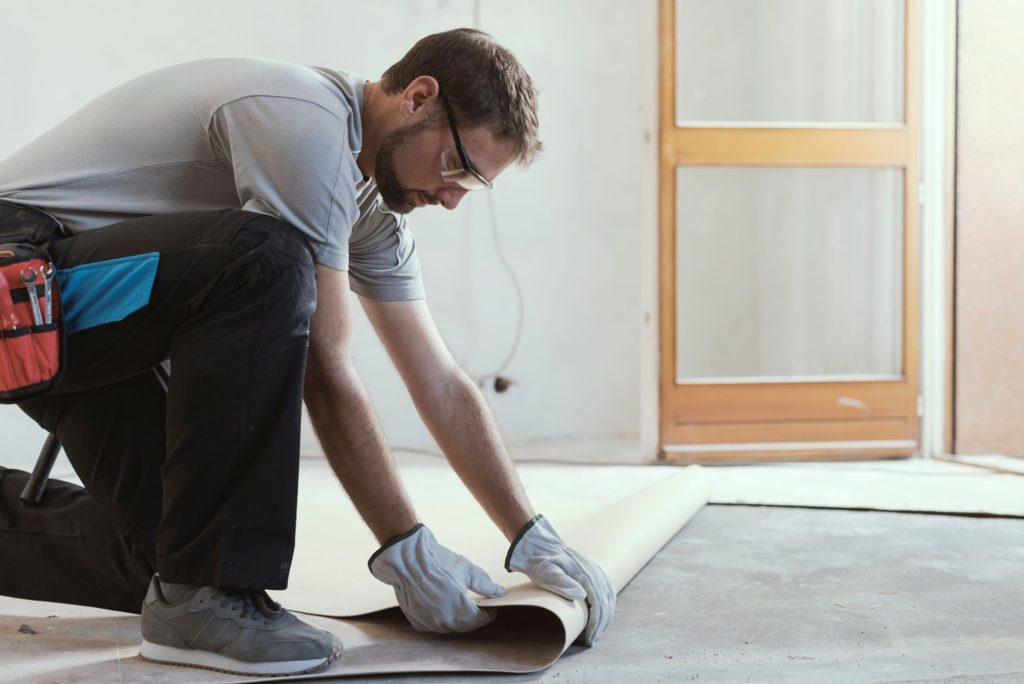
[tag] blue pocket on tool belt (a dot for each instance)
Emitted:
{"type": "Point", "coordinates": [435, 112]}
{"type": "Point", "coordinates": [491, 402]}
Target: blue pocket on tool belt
{"type": "Point", "coordinates": [106, 291]}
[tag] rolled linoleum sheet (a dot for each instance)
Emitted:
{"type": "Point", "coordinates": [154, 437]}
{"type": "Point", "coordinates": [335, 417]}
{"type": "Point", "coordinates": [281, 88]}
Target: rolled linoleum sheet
{"type": "Point", "coordinates": [618, 516]}
{"type": "Point", "coordinates": [621, 518]}
{"type": "Point", "coordinates": [329, 574]}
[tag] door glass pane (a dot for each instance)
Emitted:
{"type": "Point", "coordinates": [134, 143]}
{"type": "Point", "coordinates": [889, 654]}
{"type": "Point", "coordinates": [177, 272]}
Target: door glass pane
{"type": "Point", "coordinates": [788, 273]}
{"type": "Point", "coordinates": [825, 61]}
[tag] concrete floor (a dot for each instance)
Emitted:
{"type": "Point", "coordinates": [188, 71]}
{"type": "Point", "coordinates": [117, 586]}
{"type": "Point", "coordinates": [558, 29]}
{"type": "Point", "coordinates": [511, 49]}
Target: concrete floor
{"type": "Point", "coordinates": [773, 594]}
{"type": "Point", "coordinates": [759, 594]}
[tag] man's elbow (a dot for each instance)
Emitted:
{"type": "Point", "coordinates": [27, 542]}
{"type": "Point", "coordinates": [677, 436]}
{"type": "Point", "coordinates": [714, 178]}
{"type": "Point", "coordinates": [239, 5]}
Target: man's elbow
{"type": "Point", "coordinates": [327, 374]}
{"type": "Point", "coordinates": [444, 390]}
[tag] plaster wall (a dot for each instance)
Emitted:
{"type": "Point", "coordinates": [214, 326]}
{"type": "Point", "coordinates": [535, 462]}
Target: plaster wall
{"type": "Point", "coordinates": [989, 357]}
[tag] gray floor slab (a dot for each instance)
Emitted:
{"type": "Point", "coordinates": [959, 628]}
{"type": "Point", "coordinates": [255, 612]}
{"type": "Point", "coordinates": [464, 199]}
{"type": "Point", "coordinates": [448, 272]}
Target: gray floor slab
{"type": "Point", "coordinates": [758, 594]}
{"type": "Point", "coordinates": [764, 594]}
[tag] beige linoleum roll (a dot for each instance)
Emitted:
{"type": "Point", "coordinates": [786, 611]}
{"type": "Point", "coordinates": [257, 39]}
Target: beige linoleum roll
{"type": "Point", "coordinates": [618, 516]}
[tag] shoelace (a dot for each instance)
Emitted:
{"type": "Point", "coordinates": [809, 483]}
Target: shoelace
{"type": "Point", "coordinates": [251, 601]}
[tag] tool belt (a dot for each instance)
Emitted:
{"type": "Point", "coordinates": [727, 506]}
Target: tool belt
{"type": "Point", "coordinates": [32, 346]}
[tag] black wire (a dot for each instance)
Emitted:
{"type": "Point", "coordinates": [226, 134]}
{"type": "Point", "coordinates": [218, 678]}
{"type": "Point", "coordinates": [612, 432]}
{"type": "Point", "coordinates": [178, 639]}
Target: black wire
{"type": "Point", "coordinates": [520, 300]}
{"type": "Point", "coordinates": [506, 264]}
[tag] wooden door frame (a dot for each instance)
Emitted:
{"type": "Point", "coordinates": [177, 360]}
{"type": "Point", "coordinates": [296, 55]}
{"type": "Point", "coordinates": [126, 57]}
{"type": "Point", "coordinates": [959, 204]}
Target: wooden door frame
{"type": "Point", "coordinates": [791, 420]}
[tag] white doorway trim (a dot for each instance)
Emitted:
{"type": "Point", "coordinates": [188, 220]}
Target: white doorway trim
{"type": "Point", "coordinates": [937, 152]}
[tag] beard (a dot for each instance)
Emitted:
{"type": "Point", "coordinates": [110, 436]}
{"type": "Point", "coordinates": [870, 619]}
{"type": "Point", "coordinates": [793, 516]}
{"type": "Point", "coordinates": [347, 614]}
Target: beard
{"type": "Point", "coordinates": [386, 173]}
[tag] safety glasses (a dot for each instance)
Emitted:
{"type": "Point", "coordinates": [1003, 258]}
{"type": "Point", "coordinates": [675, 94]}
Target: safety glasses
{"type": "Point", "coordinates": [456, 169]}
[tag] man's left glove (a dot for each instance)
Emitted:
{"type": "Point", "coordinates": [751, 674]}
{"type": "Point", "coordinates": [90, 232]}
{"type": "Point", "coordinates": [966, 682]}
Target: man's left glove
{"type": "Point", "coordinates": [432, 583]}
{"type": "Point", "coordinates": [542, 555]}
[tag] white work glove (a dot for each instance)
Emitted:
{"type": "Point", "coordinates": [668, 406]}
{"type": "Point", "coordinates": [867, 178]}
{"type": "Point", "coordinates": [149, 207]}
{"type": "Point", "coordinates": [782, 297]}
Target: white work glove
{"type": "Point", "coordinates": [541, 554]}
{"type": "Point", "coordinates": [432, 583]}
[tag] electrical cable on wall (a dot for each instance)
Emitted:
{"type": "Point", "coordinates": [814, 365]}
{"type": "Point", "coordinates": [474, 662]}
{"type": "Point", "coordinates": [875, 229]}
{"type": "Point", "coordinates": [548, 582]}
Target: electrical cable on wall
{"type": "Point", "coordinates": [500, 382]}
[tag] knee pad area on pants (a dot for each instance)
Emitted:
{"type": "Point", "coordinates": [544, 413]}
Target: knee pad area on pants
{"type": "Point", "coordinates": [280, 258]}
{"type": "Point", "coordinates": [283, 256]}
{"type": "Point", "coordinates": [277, 242]}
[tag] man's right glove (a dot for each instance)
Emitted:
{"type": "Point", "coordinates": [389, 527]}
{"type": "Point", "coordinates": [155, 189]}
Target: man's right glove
{"type": "Point", "coordinates": [432, 583]}
{"type": "Point", "coordinates": [541, 554]}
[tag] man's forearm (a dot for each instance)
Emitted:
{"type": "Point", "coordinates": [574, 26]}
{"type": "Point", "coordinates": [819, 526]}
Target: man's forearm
{"type": "Point", "coordinates": [350, 435]}
{"type": "Point", "coordinates": [462, 424]}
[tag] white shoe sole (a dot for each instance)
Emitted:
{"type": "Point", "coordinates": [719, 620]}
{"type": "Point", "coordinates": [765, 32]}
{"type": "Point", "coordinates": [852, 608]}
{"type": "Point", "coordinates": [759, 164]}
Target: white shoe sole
{"type": "Point", "coordinates": [188, 657]}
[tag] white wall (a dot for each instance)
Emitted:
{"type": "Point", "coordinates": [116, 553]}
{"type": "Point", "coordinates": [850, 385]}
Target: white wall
{"type": "Point", "coordinates": [577, 226]}
{"type": "Point", "coordinates": [989, 357]}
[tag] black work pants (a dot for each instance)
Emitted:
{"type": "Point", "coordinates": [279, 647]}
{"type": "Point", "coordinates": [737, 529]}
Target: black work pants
{"type": "Point", "coordinates": [198, 483]}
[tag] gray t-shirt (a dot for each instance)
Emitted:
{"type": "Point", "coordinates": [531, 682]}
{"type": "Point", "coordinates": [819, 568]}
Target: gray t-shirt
{"type": "Point", "coordinates": [255, 134]}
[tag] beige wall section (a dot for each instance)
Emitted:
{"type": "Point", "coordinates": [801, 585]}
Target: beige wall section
{"type": "Point", "coordinates": [990, 227]}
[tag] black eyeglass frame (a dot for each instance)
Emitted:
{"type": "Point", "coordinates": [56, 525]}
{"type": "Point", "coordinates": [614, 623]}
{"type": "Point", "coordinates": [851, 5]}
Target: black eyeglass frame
{"type": "Point", "coordinates": [463, 157]}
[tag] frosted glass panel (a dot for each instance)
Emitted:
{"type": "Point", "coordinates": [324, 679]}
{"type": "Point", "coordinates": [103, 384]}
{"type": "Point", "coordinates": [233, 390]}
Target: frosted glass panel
{"type": "Point", "coordinates": [788, 272]}
{"type": "Point", "coordinates": [827, 61]}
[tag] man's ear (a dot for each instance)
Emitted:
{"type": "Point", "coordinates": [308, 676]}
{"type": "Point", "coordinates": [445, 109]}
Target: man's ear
{"type": "Point", "coordinates": [421, 91]}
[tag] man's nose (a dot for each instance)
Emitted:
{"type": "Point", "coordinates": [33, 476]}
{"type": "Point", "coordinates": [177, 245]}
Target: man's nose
{"type": "Point", "coordinates": [450, 197]}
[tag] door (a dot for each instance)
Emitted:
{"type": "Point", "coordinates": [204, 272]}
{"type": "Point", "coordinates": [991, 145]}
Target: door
{"type": "Point", "coordinates": [789, 293]}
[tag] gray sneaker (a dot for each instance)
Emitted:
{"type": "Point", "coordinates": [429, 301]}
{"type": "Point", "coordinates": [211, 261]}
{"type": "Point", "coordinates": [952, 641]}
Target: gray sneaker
{"type": "Point", "coordinates": [239, 631]}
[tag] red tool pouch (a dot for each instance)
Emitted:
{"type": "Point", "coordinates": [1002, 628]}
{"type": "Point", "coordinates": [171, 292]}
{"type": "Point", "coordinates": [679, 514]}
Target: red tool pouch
{"type": "Point", "coordinates": [31, 336]}
{"type": "Point", "coordinates": [31, 327]}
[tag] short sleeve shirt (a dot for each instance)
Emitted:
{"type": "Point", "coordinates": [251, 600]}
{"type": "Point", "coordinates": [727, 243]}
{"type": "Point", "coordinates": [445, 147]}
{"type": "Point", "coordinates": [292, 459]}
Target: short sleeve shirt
{"type": "Point", "coordinates": [255, 134]}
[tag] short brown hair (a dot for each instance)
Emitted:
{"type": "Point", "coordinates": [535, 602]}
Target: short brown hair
{"type": "Point", "coordinates": [483, 81]}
